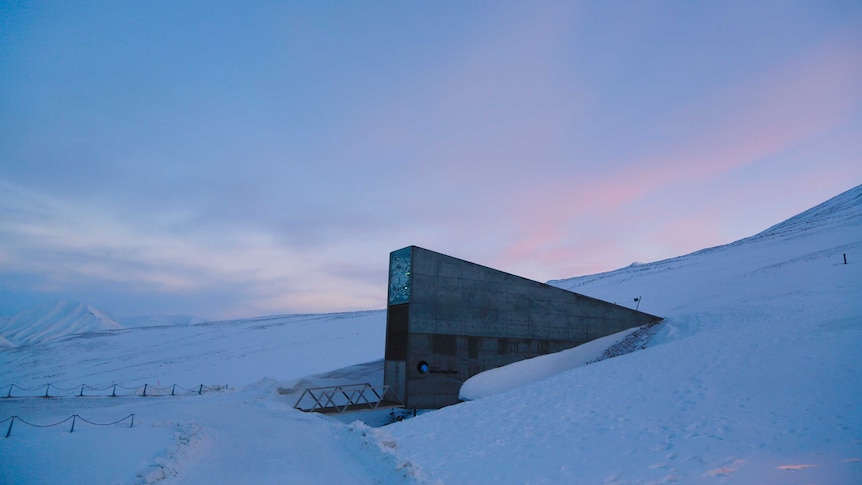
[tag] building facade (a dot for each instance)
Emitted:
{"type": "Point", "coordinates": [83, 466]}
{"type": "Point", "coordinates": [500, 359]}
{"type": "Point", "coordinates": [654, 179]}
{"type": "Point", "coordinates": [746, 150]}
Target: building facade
{"type": "Point", "coordinates": [448, 319]}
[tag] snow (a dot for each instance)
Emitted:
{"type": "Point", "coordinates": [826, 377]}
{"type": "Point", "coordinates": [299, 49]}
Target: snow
{"type": "Point", "coordinates": [193, 439]}
{"type": "Point", "coordinates": [54, 320]}
{"type": "Point", "coordinates": [754, 377]}
{"type": "Point", "coordinates": [521, 373]}
{"type": "Point", "coordinates": [60, 319]}
{"type": "Point", "coordinates": [159, 320]}
{"type": "Point", "coordinates": [754, 373]}
{"type": "Point", "coordinates": [5, 344]}
{"type": "Point", "coordinates": [234, 352]}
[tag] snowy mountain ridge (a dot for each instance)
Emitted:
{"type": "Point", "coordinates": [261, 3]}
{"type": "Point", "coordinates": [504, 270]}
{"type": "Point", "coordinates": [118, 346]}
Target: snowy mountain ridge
{"type": "Point", "coordinates": [842, 211]}
{"type": "Point", "coordinates": [55, 320]}
{"type": "Point", "coordinates": [59, 319]}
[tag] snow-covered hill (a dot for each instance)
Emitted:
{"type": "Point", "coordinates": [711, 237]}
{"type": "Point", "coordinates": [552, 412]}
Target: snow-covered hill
{"type": "Point", "coordinates": [235, 352]}
{"type": "Point", "coordinates": [843, 210]}
{"type": "Point", "coordinates": [813, 240]}
{"type": "Point", "coordinates": [754, 377]}
{"type": "Point", "coordinates": [54, 320]}
{"type": "Point", "coordinates": [159, 320]}
{"type": "Point", "coordinates": [59, 319]}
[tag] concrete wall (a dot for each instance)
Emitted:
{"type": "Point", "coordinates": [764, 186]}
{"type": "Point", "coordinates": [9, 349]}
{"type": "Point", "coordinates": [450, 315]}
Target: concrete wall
{"type": "Point", "coordinates": [463, 318]}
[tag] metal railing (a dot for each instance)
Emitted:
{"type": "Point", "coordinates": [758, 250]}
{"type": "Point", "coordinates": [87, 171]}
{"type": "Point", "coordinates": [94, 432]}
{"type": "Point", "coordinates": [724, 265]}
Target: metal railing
{"type": "Point", "coordinates": [347, 398]}
{"type": "Point", "coordinates": [144, 390]}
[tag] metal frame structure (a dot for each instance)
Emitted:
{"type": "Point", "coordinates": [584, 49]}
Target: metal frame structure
{"type": "Point", "coordinates": [347, 398]}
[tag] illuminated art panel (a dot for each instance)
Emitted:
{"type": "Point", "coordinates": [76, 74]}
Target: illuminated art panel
{"type": "Point", "coordinates": [400, 267]}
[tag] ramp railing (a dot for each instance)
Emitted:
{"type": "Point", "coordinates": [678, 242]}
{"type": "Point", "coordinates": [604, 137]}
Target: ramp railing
{"type": "Point", "coordinates": [347, 398]}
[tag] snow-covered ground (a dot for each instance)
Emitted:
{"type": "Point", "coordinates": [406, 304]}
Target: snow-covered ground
{"type": "Point", "coordinates": [755, 376]}
{"type": "Point", "coordinates": [159, 320]}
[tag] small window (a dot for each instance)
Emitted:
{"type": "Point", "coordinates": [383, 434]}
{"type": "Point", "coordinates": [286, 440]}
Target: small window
{"type": "Point", "coordinates": [502, 346]}
{"type": "Point", "coordinates": [443, 344]}
{"type": "Point", "coordinates": [473, 347]}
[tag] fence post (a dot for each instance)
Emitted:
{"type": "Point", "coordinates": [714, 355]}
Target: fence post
{"type": "Point", "coordinates": [173, 388]}
{"type": "Point", "coordinates": [82, 391]}
{"type": "Point", "coordinates": [114, 392]}
{"type": "Point", "coordinates": [46, 390]}
{"type": "Point", "coordinates": [201, 390]}
{"type": "Point", "coordinates": [145, 391]}
{"type": "Point", "coordinates": [74, 417]}
{"type": "Point", "coordinates": [9, 431]}
{"type": "Point", "coordinates": [9, 394]}
{"type": "Point", "coordinates": [133, 421]}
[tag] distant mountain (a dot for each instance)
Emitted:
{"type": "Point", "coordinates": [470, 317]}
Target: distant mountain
{"type": "Point", "coordinates": [54, 320]}
{"type": "Point", "coordinates": [159, 320]}
{"type": "Point", "coordinates": [4, 343]}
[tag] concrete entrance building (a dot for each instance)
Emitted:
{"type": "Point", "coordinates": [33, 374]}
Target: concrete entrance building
{"type": "Point", "coordinates": [448, 319]}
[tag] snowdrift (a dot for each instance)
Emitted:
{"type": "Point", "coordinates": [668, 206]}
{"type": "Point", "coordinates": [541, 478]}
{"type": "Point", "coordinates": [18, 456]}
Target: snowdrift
{"type": "Point", "coordinates": [521, 373]}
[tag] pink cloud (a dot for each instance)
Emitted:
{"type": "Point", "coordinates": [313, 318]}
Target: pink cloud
{"type": "Point", "coordinates": [491, 173]}
{"type": "Point", "coordinates": [760, 117]}
{"type": "Point", "coordinates": [763, 116]}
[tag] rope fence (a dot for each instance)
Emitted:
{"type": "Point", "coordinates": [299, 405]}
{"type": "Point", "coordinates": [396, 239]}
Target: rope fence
{"type": "Point", "coordinates": [113, 390]}
{"type": "Point", "coordinates": [75, 418]}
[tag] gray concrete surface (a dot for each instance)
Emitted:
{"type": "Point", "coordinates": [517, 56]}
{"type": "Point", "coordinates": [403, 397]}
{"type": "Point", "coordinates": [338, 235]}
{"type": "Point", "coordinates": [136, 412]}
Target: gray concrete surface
{"type": "Point", "coordinates": [462, 318]}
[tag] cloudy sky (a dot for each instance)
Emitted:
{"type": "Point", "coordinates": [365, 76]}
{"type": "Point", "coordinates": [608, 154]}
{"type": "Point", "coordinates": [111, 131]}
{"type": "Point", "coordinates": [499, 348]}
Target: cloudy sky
{"type": "Point", "coordinates": [230, 159]}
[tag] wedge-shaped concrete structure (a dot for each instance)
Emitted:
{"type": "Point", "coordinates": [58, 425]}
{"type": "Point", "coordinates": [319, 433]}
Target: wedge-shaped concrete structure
{"type": "Point", "coordinates": [449, 319]}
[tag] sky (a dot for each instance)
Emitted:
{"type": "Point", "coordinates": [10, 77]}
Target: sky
{"type": "Point", "coordinates": [227, 159]}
